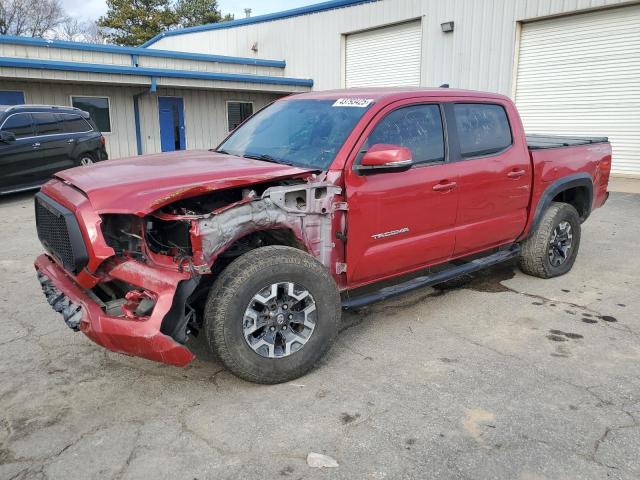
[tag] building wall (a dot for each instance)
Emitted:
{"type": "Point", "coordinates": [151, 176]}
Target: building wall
{"type": "Point", "coordinates": [479, 54]}
{"type": "Point", "coordinates": [205, 111]}
{"type": "Point", "coordinates": [205, 115]}
{"type": "Point", "coordinates": [107, 58]}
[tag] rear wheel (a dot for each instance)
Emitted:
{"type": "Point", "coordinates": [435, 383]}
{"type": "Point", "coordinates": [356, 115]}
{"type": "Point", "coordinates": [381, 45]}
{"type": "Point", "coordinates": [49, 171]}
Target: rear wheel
{"type": "Point", "coordinates": [86, 159]}
{"type": "Point", "coordinates": [272, 314]}
{"type": "Point", "coordinates": [552, 247]}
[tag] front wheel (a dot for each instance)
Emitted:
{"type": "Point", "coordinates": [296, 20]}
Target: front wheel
{"type": "Point", "coordinates": [552, 247]}
{"type": "Point", "coordinates": [272, 314]}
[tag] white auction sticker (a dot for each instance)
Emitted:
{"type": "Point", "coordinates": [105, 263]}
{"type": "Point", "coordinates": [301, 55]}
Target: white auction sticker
{"type": "Point", "coordinates": [353, 102]}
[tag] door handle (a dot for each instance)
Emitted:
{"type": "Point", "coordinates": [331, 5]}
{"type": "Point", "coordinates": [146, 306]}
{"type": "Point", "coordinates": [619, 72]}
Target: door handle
{"type": "Point", "coordinates": [444, 187]}
{"type": "Point", "coordinates": [71, 140]}
{"type": "Point", "coordinates": [516, 173]}
{"type": "Point", "coordinates": [36, 145]}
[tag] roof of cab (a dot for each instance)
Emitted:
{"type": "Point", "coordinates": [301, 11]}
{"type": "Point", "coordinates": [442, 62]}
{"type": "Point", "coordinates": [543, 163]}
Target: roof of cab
{"type": "Point", "coordinates": [394, 93]}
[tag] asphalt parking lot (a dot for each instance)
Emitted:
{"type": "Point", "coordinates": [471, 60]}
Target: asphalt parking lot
{"type": "Point", "coordinates": [513, 377]}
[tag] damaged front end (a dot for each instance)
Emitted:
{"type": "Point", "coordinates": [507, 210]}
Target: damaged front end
{"type": "Point", "coordinates": [144, 296]}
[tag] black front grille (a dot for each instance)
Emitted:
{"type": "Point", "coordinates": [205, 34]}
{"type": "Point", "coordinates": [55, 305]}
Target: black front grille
{"type": "Point", "coordinates": [59, 232]}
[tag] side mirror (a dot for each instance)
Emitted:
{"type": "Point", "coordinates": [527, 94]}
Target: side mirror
{"type": "Point", "coordinates": [7, 137]}
{"type": "Point", "coordinates": [383, 158]}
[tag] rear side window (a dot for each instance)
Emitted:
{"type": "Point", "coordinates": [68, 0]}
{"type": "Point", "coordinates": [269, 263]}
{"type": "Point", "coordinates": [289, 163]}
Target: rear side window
{"type": "Point", "coordinates": [20, 125]}
{"type": "Point", "coordinates": [75, 124]}
{"type": "Point", "coordinates": [483, 129]}
{"type": "Point", "coordinates": [47, 123]}
{"type": "Point", "coordinates": [418, 127]}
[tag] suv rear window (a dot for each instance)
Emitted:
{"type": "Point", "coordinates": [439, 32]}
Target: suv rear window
{"type": "Point", "coordinates": [47, 123]}
{"type": "Point", "coordinates": [20, 125]}
{"type": "Point", "coordinates": [483, 129]}
{"type": "Point", "coordinates": [75, 124]}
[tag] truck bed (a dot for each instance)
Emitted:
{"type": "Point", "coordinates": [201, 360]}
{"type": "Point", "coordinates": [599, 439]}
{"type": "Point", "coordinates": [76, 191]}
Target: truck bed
{"type": "Point", "coordinates": [543, 142]}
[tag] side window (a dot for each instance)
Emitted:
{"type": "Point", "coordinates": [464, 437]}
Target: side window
{"type": "Point", "coordinates": [418, 127]}
{"type": "Point", "coordinates": [238, 112]}
{"type": "Point", "coordinates": [98, 108]}
{"type": "Point", "coordinates": [20, 125]}
{"type": "Point", "coordinates": [75, 124]}
{"type": "Point", "coordinates": [47, 123]}
{"type": "Point", "coordinates": [483, 129]}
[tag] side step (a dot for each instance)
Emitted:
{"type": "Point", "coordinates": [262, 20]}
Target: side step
{"type": "Point", "coordinates": [432, 279]}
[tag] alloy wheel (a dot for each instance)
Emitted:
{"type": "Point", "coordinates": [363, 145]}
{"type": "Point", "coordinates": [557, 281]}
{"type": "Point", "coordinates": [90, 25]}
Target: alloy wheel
{"type": "Point", "coordinates": [279, 320]}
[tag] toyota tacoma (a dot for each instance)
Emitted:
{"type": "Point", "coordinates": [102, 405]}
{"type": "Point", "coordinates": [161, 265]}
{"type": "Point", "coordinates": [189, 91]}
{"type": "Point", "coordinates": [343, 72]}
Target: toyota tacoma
{"type": "Point", "coordinates": [318, 202]}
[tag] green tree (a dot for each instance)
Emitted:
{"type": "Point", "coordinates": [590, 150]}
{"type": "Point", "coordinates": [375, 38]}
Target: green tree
{"type": "Point", "coordinates": [199, 12]}
{"type": "Point", "coordinates": [132, 22]}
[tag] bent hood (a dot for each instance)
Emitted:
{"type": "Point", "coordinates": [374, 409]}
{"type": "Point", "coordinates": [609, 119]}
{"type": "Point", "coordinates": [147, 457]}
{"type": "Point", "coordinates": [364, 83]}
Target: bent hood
{"type": "Point", "coordinates": [142, 184]}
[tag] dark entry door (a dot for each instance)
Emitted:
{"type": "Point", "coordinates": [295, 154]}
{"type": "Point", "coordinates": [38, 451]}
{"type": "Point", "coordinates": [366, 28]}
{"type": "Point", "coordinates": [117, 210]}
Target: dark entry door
{"type": "Point", "coordinates": [171, 123]}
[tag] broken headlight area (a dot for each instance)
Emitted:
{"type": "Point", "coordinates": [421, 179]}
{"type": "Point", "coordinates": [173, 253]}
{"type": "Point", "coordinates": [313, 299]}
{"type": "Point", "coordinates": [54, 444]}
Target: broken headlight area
{"type": "Point", "coordinates": [132, 236]}
{"type": "Point", "coordinates": [123, 233]}
{"type": "Point", "coordinates": [119, 299]}
{"type": "Point", "coordinates": [168, 237]}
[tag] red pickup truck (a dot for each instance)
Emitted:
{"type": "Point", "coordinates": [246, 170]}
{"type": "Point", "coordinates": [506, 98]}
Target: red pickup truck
{"type": "Point", "coordinates": [303, 210]}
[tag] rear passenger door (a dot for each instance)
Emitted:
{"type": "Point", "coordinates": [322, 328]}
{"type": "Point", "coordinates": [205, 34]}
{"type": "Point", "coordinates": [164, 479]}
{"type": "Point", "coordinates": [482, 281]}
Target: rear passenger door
{"type": "Point", "coordinates": [56, 147]}
{"type": "Point", "coordinates": [18, 159]}
{"type": "Point", "coordinates": [494, 183]}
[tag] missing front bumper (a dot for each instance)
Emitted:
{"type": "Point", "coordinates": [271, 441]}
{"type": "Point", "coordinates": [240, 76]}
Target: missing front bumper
{"type": "Point", "coordinates": [138, 336]}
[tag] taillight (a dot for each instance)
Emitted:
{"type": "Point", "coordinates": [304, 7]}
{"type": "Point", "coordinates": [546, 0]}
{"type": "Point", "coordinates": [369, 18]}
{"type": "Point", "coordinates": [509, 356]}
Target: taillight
{"type": "Point", "coordinates": [103, 142]}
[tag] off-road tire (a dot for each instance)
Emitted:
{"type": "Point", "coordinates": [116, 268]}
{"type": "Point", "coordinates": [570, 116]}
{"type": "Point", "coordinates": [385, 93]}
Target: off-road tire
{"type": "Point", "coordinates": [534, 255]}
{"type": "Point", "coordinates": [232, 292]}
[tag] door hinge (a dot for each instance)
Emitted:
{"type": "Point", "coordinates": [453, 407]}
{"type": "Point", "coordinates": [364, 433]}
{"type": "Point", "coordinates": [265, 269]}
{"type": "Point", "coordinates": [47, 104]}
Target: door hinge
{"type": "Point", "coordinates": [341, 268]}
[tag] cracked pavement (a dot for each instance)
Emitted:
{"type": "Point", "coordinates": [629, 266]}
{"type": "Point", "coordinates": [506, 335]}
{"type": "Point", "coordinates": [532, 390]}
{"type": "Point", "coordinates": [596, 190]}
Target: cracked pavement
{"type": "Point", "coordinates": [512, 377]}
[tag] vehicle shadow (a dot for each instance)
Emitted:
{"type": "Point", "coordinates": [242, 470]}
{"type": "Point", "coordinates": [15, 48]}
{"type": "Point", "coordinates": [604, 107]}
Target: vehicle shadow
{"type": "Point", "coordinates": [12, 199]}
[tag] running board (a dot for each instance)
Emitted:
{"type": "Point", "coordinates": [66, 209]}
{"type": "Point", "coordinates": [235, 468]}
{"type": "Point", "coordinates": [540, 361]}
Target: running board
{"type": "Point", "coordinates": [432, 279]}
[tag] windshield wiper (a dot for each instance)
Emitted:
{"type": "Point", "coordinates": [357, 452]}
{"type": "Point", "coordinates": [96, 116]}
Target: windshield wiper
{"type": "Point", "coordinates": [266, 158]}
{"type": "Point", "coordinates": [220, 150]}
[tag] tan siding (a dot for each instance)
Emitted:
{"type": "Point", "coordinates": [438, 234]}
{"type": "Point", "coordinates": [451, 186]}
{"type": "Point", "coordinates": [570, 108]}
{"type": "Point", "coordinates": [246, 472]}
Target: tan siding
{"type": "Point", "coordinates": [205, 111]}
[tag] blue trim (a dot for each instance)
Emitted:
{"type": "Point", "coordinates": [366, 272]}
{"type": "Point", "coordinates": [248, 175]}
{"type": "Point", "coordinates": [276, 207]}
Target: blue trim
{"type": "Point", "coordinates": [295, 12]}
{"type": "Point", "coordinates": [94, 47]}
{"type": "Point", "coordinates": [151, 72]}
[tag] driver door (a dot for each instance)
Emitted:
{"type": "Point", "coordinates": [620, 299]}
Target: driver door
{"type": "Point", "coordinates": [401, 221]}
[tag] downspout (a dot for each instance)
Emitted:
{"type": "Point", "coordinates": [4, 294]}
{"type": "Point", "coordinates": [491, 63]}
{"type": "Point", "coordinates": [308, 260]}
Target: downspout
{"type": "Point", "coordinates": [136, 107]}
{"type": "Point", "coordinates": [136, 119]}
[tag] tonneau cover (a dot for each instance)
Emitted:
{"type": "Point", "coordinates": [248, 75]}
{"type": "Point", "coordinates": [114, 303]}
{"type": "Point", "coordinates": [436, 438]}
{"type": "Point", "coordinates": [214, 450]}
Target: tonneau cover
{"type": "Point", "coordinates": [541, 142]}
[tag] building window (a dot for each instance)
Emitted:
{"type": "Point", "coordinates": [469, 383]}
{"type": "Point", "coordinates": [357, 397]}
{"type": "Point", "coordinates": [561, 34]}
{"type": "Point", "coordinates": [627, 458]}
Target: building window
{"type": "Point", "coordinates": [483, 129]}
{"type": "Point", "coordinates": [98, 108]}
{"type": "Point", "coordinates": [8, 97]}
{"type": "Point", "coordinates": [238, 112]}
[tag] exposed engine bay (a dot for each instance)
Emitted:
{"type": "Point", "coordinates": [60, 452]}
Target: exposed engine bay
{"type": "Point", "coordinates": [202, 234]}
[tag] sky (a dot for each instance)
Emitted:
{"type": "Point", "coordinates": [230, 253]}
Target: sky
{"type": "Point", "coordinates": [92, 9]}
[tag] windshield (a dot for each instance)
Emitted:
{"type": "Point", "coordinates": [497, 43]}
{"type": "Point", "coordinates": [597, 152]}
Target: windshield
{"type": "Point", "coordinates": [304, 133]}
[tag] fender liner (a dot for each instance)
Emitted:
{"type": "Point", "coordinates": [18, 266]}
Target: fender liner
{"type": "Point", "coordinates": [571, 181]}
{"type": "Point", "coordinates": [174, 323]}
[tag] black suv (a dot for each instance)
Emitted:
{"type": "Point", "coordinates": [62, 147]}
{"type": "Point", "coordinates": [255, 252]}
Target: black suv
{"type": "Point", "coordinates": [37, 141]}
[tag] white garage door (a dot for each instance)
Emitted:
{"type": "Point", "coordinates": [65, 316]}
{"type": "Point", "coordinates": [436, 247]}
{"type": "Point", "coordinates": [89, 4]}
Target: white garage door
{"type": "Point", "coordinates": [384, 57]}
{"type": "Point", "coordinates": [581, 75]}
